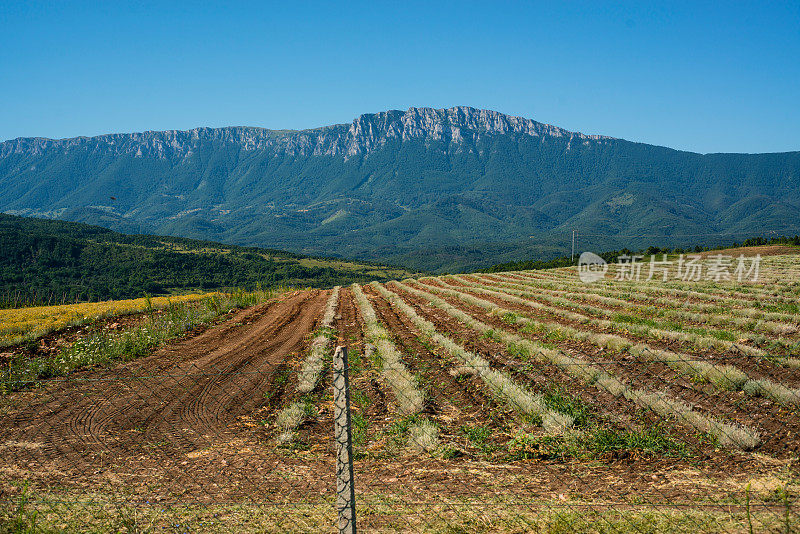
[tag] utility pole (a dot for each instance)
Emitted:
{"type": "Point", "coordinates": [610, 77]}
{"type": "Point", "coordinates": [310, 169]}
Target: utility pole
{"type": "Point", "coordinates": [572, 257]}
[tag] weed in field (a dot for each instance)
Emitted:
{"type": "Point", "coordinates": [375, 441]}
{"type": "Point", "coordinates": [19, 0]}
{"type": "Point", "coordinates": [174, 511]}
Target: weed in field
{"type": "Point", "coordinates": [23, 520]}
{"type": "Point", "coordinates": [359, 398]}
{"type": "Point", "coordinates": [561, 401]}
{"type": "Point", "coordinates": [478, 435]}
{"type": "Point", "coordinates": [509, 318]}
{"type": "Point", "coordinates": [595, 443]}
{"type": "Point", "coordinates": [360, 426]}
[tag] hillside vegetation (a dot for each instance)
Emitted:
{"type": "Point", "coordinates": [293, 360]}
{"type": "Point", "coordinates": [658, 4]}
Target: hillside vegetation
{"type": "Point", "coordinates": [47, 261]}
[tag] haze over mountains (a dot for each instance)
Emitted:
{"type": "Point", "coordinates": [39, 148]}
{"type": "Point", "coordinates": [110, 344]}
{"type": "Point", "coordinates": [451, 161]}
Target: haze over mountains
{"type": "Point", "coordinates": [430, 189]}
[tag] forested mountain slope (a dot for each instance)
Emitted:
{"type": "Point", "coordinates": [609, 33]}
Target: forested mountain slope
{"type": "Point", "coordinates": [425, 187]}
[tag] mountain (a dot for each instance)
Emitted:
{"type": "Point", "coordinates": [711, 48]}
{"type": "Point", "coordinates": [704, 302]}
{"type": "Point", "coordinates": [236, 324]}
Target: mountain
{"type": "Point", "coordinates": [434, 189]}
{"type": "Point", "coordinates": [45, 261]}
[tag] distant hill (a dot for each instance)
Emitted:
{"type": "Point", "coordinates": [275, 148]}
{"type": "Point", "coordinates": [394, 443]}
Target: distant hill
{"type": "Point", "coordinates": [55, 260]}
{"type": "Point", "coordinates": [436, 189]}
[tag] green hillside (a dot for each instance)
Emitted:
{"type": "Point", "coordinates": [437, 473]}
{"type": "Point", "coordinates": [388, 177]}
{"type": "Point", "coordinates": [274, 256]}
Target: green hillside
{"type": "Point", "coordinates": [47, 261]}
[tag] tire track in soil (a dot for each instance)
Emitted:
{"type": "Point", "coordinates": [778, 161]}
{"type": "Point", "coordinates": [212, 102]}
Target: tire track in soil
{"type": "Point", "coordinates": [251, 371]}
{"type": "Point", "coordinates": [186, 393]}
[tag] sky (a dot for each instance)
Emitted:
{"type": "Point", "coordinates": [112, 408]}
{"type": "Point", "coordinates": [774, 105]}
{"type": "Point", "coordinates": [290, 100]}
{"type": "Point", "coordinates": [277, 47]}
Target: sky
{"type": "Point", "coordinates": [704, 77]}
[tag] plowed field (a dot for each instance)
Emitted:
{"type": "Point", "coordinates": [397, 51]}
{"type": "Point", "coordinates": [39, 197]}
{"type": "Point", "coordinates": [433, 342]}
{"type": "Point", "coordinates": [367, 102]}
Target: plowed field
{"type": "Point", "coordinates": [540, 393]}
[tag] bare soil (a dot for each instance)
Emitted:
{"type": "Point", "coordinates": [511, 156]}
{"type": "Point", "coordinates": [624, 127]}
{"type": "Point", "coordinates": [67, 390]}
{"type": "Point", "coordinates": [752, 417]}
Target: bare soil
{"type": "Point", "coordinates": [151, 415]}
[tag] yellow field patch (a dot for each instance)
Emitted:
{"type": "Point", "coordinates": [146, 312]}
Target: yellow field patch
{"type": "Point", "coordinates": [29, 323]}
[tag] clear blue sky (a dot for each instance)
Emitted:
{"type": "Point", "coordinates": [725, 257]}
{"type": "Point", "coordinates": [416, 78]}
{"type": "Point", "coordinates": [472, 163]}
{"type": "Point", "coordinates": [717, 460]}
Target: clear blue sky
{"type": "Point", "coordinates": [707, 77]}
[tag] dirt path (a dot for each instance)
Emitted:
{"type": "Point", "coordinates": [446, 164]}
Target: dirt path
{"type": "Point", "coordinates": [185, 397]}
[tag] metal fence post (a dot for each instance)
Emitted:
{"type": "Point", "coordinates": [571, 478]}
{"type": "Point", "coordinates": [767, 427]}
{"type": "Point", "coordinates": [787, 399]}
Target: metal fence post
{"type": "Point", "coordinates": [345, 490]}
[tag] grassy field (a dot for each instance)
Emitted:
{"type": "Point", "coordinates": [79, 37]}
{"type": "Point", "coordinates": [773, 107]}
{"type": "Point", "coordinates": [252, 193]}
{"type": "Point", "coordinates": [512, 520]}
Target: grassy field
{"type": "Point", "coordinates": [505, 402]}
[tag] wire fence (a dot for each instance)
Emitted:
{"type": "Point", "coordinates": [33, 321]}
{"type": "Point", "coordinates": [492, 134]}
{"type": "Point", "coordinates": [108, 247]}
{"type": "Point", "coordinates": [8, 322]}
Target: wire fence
{"type": "Point", "coordinates": [558, 436]}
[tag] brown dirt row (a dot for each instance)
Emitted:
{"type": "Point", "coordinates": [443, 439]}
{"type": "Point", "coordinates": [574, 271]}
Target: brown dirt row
{"type": "Point", "coordinates": [452, 402]}
{"type": "Point", "coordinates": [536, 376]}
{"type": "Point", "coordinates": [754, 367]}
{"type": "Point", "coordinates": [778, 426]}
{"type": "Point", "coordinates": [578, 300]}
{"type": "Point", "coordinates": [155, 423]}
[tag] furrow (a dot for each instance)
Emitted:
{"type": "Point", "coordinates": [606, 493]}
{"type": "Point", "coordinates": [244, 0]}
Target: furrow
{"type": "Point", "coordinates": [724, 377]}
{"type": "Point", "coordinates": [500, 384]}
{"type": "Point", "coordinates": [727, 434]}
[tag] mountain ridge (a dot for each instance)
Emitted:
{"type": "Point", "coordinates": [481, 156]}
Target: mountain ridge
{"type": "Point", "coordinates": [363, 133]}
{"type": "Point", "coordinates": [425, 188]}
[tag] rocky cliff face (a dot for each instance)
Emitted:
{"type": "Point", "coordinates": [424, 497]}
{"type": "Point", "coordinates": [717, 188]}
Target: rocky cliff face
{"type": "Point", "coordinates": [366, 133]}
